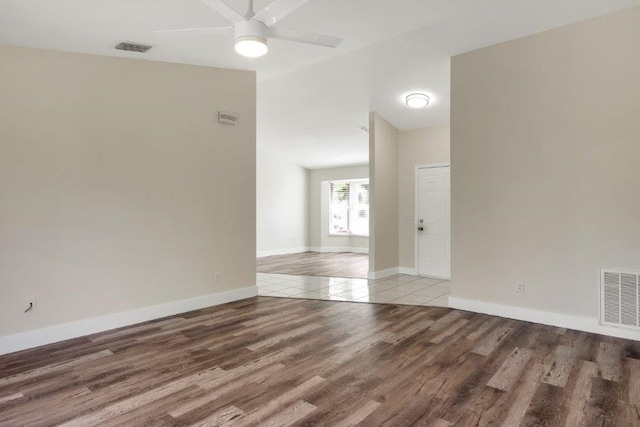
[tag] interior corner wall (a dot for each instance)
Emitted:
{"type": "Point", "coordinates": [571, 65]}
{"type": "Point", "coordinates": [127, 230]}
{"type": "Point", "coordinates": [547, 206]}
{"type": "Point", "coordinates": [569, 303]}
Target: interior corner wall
{"type": "Point", "coordinates": [383, 179]}
{"type": "Point", "coordinates": [282, 216]}
{"type": "Point", "coordinates": [422, 146]}
{"type": "Point", "coordinates": [546, 165]}
{"type": "Point", "coordinates": [319, 238]}
{"type": "Point", "coordinates": [119, 188]}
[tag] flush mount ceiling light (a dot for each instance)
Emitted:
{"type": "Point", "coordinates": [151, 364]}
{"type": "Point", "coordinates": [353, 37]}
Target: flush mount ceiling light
{"type": "Point", "coordinates": [417, 100]}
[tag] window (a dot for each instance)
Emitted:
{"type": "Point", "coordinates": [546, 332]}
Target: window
{"type": "Point", "coordinates": [349, 208]}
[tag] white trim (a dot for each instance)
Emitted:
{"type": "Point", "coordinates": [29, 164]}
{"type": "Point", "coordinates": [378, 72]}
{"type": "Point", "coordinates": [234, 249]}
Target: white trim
{"type": "Point", "coordinates": [285, 251]}
{"type": "Point", "coordinates": [544, 317]}
{"type": "Point", "coordinates": [38, 337]}
{"type": "Point", "coordinates": [407, 270]}
{"type": "Point", "coordinates": [434, 277]}
{"type": "Point", "coordinates": [347, 180]}
{"type": "Point", "coordinates": [338, 249]}
{"type": "Point", "coordinates": [433, 165]}
{"type": "Point", "coordinates": [383, 273]}
{"type": "Point", "coordinates": [416, 245]}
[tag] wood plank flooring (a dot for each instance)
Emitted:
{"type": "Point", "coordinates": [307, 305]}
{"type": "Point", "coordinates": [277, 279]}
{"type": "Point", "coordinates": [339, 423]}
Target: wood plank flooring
{"type": "Point", "coordinates": [276, 361]}
{"type": "Point", "coordinates": [345, 264]}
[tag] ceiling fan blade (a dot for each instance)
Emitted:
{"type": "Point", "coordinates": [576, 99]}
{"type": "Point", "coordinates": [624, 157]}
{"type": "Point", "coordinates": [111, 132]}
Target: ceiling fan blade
{"type": "Point", "coordinates": [195, 31]}
{"type": "Point", "coordinates": [277, 10]}
{"type": "Point", "coordinates": [304, 37]}
{"type": "Point", "coordinates": [224, 9]}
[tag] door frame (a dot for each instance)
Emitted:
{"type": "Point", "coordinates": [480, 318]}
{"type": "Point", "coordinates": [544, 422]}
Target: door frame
{"type": "Point", "coordinates": [416, 259]}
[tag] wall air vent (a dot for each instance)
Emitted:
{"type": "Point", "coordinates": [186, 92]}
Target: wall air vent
{"type": "Point", "coordinates": [133, 47]}
{"type": "Point", "coordinates": [619, 298]}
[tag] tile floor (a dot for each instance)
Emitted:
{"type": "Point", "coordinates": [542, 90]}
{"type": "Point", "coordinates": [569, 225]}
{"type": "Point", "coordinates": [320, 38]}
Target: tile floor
{"type": "Point", "coordinates": [398, 289]}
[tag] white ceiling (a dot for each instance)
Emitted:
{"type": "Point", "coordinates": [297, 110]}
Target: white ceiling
{"type": "Point", "coordinates": [311, 100]}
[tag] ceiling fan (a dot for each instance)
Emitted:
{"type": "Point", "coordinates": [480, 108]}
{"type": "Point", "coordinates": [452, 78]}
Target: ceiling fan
{"type": "Point", "coordinates": [252, 29]}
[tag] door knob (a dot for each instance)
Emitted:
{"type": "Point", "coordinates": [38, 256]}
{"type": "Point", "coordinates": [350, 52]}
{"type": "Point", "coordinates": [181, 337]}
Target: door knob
{"type": "Point", "coordinates": [420, 228]}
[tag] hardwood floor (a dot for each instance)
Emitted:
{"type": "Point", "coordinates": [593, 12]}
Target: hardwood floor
{"type": "Point", "coordinates": [345, 264]}
{"type": "Point", "coordinates": [275, 361]}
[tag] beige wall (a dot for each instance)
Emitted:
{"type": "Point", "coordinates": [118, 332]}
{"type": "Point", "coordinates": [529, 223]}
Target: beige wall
{"type": "Point", "coordinates": [319, 238]}
{"type": "Point", "coordinates": [119, 189]}
{"type": "Point", "coordinates": [546, 165]}
{"type": "Point", "coordinates": [282, 205]}
{"type": "Point", "coordinates": [383, 176]}
{"type": "Point", "coordinates": [417, 147]}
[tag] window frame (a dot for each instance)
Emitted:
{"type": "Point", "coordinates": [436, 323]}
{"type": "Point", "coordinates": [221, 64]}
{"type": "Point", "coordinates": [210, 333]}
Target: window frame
{"type": "Point", "coordinates": [350, 207]}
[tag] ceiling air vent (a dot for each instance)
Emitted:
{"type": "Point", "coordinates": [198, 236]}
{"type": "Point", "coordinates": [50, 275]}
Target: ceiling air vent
{"type": "Point", "coordinates": [619, 298]}
{"type": "Point", "coordinates": [133, 47]}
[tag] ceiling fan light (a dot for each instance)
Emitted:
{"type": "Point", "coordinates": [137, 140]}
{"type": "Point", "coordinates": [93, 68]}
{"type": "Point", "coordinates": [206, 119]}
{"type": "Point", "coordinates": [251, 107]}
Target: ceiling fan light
{"type": "Point", "coordinates": [417, 100]}
{"type": "Point", "coordinates": [251, 46]}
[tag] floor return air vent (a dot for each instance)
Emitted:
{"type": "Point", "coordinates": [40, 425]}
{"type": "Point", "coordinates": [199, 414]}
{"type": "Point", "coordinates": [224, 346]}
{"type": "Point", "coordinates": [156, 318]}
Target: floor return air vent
{"type": "Point", "coordinates": [619, 302]}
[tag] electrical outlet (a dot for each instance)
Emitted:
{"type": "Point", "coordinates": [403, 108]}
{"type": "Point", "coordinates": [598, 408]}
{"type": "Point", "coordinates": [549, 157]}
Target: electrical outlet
{"type": "Point", "coordinates": [30, 304]}
{"type": "Point", "coordinates": [217, 277]}
{"type": "Point", "coordinates": [520, 287]}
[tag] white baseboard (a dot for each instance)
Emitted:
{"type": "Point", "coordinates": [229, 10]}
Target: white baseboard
{"type": "Point", "coordinates": [383, 273]}
{"type": "Point", "coordinates": [407, 270]}
{"type": "Point", "coordinates": [414, 272]}
{"type": "Point", "coordinates": [585, 324]}
{"type": "Point", "coordinates": [339, 249]}
{"type": "Point", "coordinates": [286, 251]}
{"type": "Point", "coordinates": [38, 337]}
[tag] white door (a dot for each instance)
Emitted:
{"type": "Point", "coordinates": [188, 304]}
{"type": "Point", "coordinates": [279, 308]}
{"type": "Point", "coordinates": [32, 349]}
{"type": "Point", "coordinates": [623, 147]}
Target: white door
{"type": "Point", "coordinates": [434, 222]}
